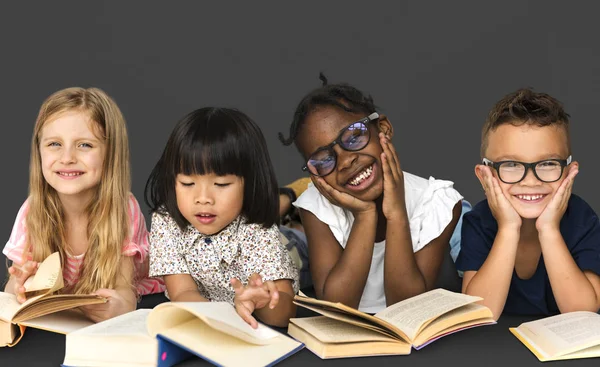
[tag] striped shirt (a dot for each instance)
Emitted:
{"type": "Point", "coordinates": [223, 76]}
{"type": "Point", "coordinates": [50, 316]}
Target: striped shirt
{"type": "Point", "coordinates": [136, 246]}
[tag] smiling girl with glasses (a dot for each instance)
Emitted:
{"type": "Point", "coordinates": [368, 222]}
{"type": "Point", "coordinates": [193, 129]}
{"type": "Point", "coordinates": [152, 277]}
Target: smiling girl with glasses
{"type": "Point", "coordinates": [376, 235]}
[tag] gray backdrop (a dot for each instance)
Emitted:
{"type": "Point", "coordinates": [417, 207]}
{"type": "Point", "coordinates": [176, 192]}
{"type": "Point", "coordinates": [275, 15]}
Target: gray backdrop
{"type": "Point", "coordinates": [435, 67]}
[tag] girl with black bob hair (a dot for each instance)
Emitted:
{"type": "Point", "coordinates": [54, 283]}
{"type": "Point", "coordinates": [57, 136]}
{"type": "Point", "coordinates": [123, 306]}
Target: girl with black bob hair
{"type": "Point", "coordinates": [214, 234]}
{"type": "Point", "coordinates": [376, 235]}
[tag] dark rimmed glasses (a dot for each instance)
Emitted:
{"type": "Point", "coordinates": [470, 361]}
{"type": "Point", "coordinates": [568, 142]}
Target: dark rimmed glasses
{"type": "Point", "coordinates": [352, 138]}
{"type": "Point", "coordinates": [511, 172]}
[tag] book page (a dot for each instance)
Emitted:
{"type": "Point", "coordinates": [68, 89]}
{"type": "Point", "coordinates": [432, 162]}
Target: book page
{"type": "Point", "coordinates": [412, 314]}
{"type": "Point", "coordinates": [563, 334]}
{"type": "Point", "coordinates": [63, 322]}
{"type": "Point", "coordinates": [226, 350]}
{"type": "Point", "coordinates": [8, 306]}
{"type": "Point", "coordinates": [328, 330]}
{"type": "Point", "coordinates": [47, 304]}
{"type": "Point", "coordinates": [218, 315]}
{"type": "Point", "coordinates": [131, 323]}
{"type": "Point", "coordinates": [48, 277]}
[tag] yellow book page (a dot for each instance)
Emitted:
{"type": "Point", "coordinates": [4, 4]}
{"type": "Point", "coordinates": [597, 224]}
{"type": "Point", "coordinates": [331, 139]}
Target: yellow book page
{"type": "Point", "coordinates": [415, 313]}
{"type": "Point", "coordinates": [219, 315]}
{"type": "Point", "coordinates": [63, 322]}
{"type": "Point", "coordinates": [227, 350]}
{"type": "Point", "coordinates": [8, 306]}
{"type": "Point", "coordinates": [48, 277]}
{"type": "Point", "coordinates": [562, 334]}
{"type": "Point", "coordinates": [329, 330]}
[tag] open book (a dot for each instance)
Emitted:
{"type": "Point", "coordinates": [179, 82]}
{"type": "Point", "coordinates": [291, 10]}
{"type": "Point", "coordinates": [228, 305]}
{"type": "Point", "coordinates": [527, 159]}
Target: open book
{"type": "Point", "coordinates": [570, 335]}
{"type": "Point", "coordinates": [343, 331]}
{"type": "Point", "coordinates": [42, 300]}
{"type": "Point", "coordinates": [174, 331]}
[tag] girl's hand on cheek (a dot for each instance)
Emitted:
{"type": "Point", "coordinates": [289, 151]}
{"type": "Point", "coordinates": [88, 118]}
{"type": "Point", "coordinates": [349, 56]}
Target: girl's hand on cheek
{"type": "Point", "coordinates": [393, 182]}
{"type": "Point", "coordinates": [342, 199]}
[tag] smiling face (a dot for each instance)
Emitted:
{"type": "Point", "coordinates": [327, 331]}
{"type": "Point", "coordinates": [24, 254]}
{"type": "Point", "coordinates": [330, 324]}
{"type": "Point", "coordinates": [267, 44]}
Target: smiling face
{"type": "Point", "coordinates": [209, 202]}
{"type": "Point", "coordinates": [357, 173]}
{"type": "Point", "coordinates": [72, 155]}
{"type": "Point", "coordinates": [528, 143]}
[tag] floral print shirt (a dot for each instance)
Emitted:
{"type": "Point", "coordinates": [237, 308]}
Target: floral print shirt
{"type": "Point", "coordinates": [238, 251]}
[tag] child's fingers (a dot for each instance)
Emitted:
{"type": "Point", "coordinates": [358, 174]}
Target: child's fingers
{"type": "Point", "coordinates": [392, 156]}
{"type": "Point", "coordinates": [325, 189]}
{"type": "Point", "coordinates": [238, 287]}
{"type": "Point", "coordinates": [246, 315]}
{"type": "Point", "coordinates": [274, 292]}
{"type": "Point", "coordinates": [387, 170]}
{"type": "Point", "coordinates": [256, 280]}
{"type": "Point", "coordinates": [387, 162]}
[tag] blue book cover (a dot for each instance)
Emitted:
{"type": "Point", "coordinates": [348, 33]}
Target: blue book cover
{"type": "Point", "coordinates": [170, 353]}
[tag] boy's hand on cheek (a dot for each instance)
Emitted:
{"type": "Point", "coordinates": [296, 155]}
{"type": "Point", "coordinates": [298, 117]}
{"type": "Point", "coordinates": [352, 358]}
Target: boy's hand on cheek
{"type": "Point", "coordinates": [554, 211]}
{"type": "Point", "coordinates": [343, 199]}
{"type": "Point", "coordinates": [501, 208]}
{"type": "Point", "coordinates": [253, 296]}
{"type": "Point", "coordinates": [393, 182]}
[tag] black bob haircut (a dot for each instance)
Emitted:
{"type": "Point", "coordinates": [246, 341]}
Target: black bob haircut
{"type": "Point", "coordinates": [222, 141]}
{"type": "Point", "coordinates": [341, 95]}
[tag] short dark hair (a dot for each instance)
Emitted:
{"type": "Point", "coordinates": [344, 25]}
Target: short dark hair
{"type": "Point", "coordinates": [222, 141]}
{"type": "Point", "coordinates": [341, 95]}
{"type": "Point", "coordinates": [525, 107]}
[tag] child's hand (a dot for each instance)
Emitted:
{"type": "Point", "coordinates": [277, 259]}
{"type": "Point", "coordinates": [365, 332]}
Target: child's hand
{"type": "Point", "coordinates": [501, 208]}
{"type": "Point", "coordinates": [342, 199]}
{"type": "Point", "coordinates": [393, 181]}
{"type": "Point", "coordinates": [253, 296]}
{"type": "Point", "coordinates": [20, 275]}
{"type": "Point", "coordinates": [115, 305]}
{"type": "Point", "coordinates": [553, 213]}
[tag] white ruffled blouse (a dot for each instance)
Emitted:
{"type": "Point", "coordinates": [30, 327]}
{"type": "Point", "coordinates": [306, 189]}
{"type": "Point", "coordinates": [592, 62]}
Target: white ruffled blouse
{"type": "Point", "coordinates": [429, 205]}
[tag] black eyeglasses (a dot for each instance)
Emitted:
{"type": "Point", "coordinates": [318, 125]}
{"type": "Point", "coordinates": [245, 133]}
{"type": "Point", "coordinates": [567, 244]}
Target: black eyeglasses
{"type": "Point", "coordinates": [352, 138]}
{"type": "Point", "coordinates": [511, 172]}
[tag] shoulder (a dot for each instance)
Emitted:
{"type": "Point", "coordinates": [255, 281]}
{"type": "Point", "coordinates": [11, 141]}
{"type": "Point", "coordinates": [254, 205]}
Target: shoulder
{"type": "Point", "coordinates": [480, 216]}
{"type": "Point", "coordinates": [162, 221]}
{"type": "Point", "coordinates": [313, 201]}
{"type": "Point", "coordinates": [578, 219]}
{"type": "Point", "coordinates": [578, 210]}
{"type": "Point", "coordinates": [253, 232]}
{"type": "Point", "coordinates": [22, 213]}
{"type": "Point", "coordinates": [418, 189]}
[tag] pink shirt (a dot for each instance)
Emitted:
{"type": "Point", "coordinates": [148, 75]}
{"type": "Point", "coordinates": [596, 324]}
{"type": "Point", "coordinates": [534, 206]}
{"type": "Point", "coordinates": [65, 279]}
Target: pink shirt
{"type": "Point", "coordinates": [136, 245]}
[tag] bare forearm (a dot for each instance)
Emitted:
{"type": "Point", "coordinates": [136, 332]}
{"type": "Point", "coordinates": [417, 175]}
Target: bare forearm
{"type": "Point", "coordinates": [402, 277]}
{"type": "Point", "coordinates": [191, 295]}
{"type": "Point", "coordinates": [346, 280]}
{"type": "Point", "coordinates": [571, 288]}
{"type": "Point", "coordinates": [281, 314]}
{"type": "Point", "coordinates": [129, 298]}
{"type": "Point", "coordinates": [492, 280]}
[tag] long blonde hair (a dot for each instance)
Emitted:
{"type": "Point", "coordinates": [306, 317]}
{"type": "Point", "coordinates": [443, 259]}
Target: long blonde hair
{"type": "Point", "coordinates": [107, 212]}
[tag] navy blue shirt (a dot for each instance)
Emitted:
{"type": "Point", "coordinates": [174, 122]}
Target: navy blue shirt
{"type": "Point", "coordinates": [580, 229]}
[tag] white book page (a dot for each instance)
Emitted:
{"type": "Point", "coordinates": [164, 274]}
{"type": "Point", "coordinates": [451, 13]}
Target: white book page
{"type": "Point", "coordinates": [63, 322]}
{"type": "Point", "coordinates": [412, 314]}
{"type": "Point", "coordinates": [565, 333]}
{"type": "Point", "coordinates": [8, 306]}
{"type": "Point", "coordinates": [218, 315]}
{"type": "Point", "coordinates": [131, 323]}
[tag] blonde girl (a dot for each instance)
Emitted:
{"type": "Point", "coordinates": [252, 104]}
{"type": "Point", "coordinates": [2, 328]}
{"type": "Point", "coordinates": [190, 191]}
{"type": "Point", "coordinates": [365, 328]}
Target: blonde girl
{"type": "Point", "coordinates": [80, 205]}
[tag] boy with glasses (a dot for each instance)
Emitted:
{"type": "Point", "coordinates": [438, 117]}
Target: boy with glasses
{"type": "Point", "coordinates": [532, 247]}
